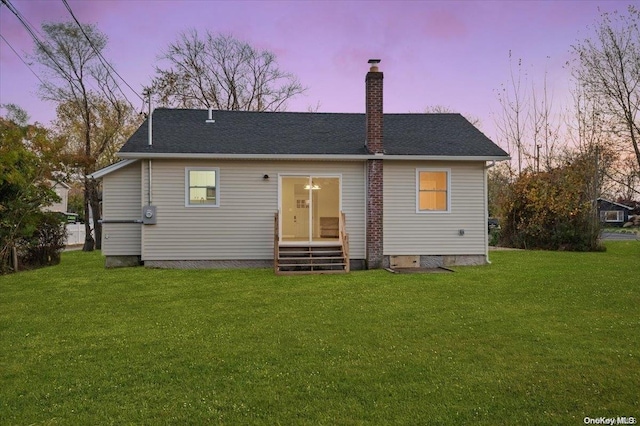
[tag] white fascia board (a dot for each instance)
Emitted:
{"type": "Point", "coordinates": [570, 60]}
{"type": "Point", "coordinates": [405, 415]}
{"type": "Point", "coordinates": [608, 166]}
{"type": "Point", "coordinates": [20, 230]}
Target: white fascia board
{"type": "Point", "coordinates": [440, 158]}
{"type": "Point", "coordinates": [326, 157]}
{"type": "Point", "coordinates": [112, 168]}
{"type": "Point", "coordinates": [168, 156]}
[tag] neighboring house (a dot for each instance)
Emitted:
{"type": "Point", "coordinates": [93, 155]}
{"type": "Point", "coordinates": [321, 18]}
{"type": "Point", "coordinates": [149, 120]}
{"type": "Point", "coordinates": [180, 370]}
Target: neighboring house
{"type": "Point", "coordinates": [62, 190]}
{"type": "Point", "coordinates": [612, 213]}
{"type": "Point", "coordinates": [233, 188]}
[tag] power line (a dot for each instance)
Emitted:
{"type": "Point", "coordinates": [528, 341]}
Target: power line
{"type": "Point", "coordinates": [20, 57]}
{"type": "Point", "coordinates": [40, 44]}
{"type": "Point", "coordinates": [106, 64]}
{"type": "Point", "coordinates": [46, 50]}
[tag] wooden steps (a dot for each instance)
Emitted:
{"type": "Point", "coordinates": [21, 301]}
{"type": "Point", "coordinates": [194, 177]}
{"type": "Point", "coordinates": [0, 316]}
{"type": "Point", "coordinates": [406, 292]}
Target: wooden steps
{"type": "Point", "coordinates": [306, 259]}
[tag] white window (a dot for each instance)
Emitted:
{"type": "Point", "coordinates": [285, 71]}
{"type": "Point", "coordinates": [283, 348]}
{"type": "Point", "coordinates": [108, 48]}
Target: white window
{"type": "Point", "coordinates": [612, 216]}
{"type": "Point", "coordinates": [433, 190]}
{"type": "Point", "coordinates": [201, 187]}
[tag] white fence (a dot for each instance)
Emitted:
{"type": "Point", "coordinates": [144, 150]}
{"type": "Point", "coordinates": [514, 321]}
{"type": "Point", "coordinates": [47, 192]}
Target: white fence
{"type": "Point", "coordinates": [75, 233]}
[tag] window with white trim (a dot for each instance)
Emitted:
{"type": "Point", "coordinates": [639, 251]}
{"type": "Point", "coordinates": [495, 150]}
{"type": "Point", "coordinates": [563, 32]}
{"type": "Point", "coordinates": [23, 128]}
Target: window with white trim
{"type": "Point", "coordinates": [201, 187]}
{"type": "Point", "coordinates": [612, 216]}
{"type": "Point", "coordinates": [433, 190]}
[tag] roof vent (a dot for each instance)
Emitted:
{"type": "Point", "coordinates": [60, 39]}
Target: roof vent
{"type": "Point", "coordinates": [210, 119]}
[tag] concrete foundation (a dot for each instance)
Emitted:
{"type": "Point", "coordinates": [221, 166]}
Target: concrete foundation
{"type": "Point", "coordinates": [433, 261]}
{"type": "Point", "coordinates": [355, 264]}
{"type": "Point", "coordinates": [121, 261]}
{"type": "Point", "coordinates": [208, 264]}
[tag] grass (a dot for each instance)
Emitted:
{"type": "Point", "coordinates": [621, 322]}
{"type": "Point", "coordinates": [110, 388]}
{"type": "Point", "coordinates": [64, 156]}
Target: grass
{"type": "Point", "coordinates": [620, 230]}
{"type": "Point", "coordinates": [535, 338]}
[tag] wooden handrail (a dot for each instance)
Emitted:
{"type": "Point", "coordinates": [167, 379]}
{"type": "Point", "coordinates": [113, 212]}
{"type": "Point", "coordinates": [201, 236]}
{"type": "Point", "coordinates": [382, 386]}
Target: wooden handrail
{"type": "Point", "coordinates": [276, 243]}
{"type": "Point", "coordinates": [344, 242]}
{"type": "Point", "coordinates": [344, 239]}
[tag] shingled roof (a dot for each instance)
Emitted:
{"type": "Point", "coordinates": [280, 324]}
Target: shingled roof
{"type": "Point", "coordinates": [185, 131]}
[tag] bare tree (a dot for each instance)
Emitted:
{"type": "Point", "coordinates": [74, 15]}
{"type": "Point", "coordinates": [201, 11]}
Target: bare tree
{"type": "Point", "coordinates": [78, 80]}
{"type": "Point", "coordinates": [585, 134]}
{"type": "Point", "coordinates": [443, 109]}
{"type": "Point", "coordinates": [221, 72]}
{"type": "Point", "coordinates": [545, 130]}
{"type": "Point", "coordinates": [585, 122]}
{"type": "Point", "coordinates": [629, 179]}
{"type": "Point", "coordinates": [512, 123]}
{"type": "Point", "coordinates": [608, 68]}
{"type": "Point", "coordinates": [529, 123]}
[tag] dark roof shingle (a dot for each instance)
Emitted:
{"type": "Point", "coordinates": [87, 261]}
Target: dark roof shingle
{"type": "Point", "coordinates": [185, 131]}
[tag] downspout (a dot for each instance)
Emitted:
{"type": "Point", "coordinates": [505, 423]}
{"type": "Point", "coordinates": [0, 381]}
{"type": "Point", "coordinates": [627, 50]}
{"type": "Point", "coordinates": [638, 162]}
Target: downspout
{"type": "Point", "coordinates": [149, 183]}
{"type": "Point", "coordinates": [150, 145]}
{"type": "Point", "coordinates": [365, 168]}
{"type": "Point", "coordinates": [486, 210]}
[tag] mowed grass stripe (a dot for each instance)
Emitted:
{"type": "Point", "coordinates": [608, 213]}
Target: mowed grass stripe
{"type": "Point", "coordinates": [533, 338]}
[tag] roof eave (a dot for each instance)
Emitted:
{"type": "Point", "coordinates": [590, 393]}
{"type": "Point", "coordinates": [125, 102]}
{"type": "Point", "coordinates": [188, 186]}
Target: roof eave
{"type": "Point", "coordinates": [112, 168]}
{"type": "Point", "coordinates": [328, 157]}
{"type": "Point", "coordinates": [614, 203]}
{"type": "Point", "coordinates": [443, 157]}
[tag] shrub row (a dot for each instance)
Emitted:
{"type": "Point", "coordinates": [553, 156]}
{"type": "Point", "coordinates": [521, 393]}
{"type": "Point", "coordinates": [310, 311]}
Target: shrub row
{"type": "Point", "coordinates": [41, 248]}
{"type": "Point", "coordinates": [552, 210]}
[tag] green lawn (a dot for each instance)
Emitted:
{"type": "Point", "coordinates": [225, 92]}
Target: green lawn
{"type": "Point", "coordinates": [621, 230]}
{"type": "Point", "coordinates": [535, 338]}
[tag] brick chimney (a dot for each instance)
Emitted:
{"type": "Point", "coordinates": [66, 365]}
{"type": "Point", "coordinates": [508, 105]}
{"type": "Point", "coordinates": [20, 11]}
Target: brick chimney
{"type": "Point", "coordinates": [374, 108]}
{"type": "Point", "coordinates": [374, 143]}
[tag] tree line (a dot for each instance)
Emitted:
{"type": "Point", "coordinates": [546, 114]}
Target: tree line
{"type": "Point", "coordinates": [563, 162]}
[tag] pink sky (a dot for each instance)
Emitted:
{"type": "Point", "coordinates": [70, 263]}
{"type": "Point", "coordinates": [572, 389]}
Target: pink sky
{"type": "Point", "coordinates": [452, 53]}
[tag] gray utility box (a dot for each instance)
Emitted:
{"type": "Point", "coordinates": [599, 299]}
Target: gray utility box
{"type": "Point", "coordinates": [149, 215]}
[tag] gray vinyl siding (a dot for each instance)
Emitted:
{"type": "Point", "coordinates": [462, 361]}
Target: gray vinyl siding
{"type": "Point", "coordinates": [241, 228]}
{"type": "Point", "coordinates": [407, 232]}
{"type": "Point", "coordinates": [122, 200]}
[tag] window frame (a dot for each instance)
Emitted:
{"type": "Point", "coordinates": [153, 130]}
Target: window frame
{"type": "Point", "coordinates": [448, 191]}
{"type": "Point", "coordinates": [619, 216]}
{"type": "Point", "coordinates": [187, 186]}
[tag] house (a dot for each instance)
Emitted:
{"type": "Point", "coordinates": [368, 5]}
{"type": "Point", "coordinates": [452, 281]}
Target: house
{"type": "Point", "coordinates": [62, 190]}
{"type": "Point", "coordinates": [612, 213]}
{"type": "Point", "coordinates": [315, 191]}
